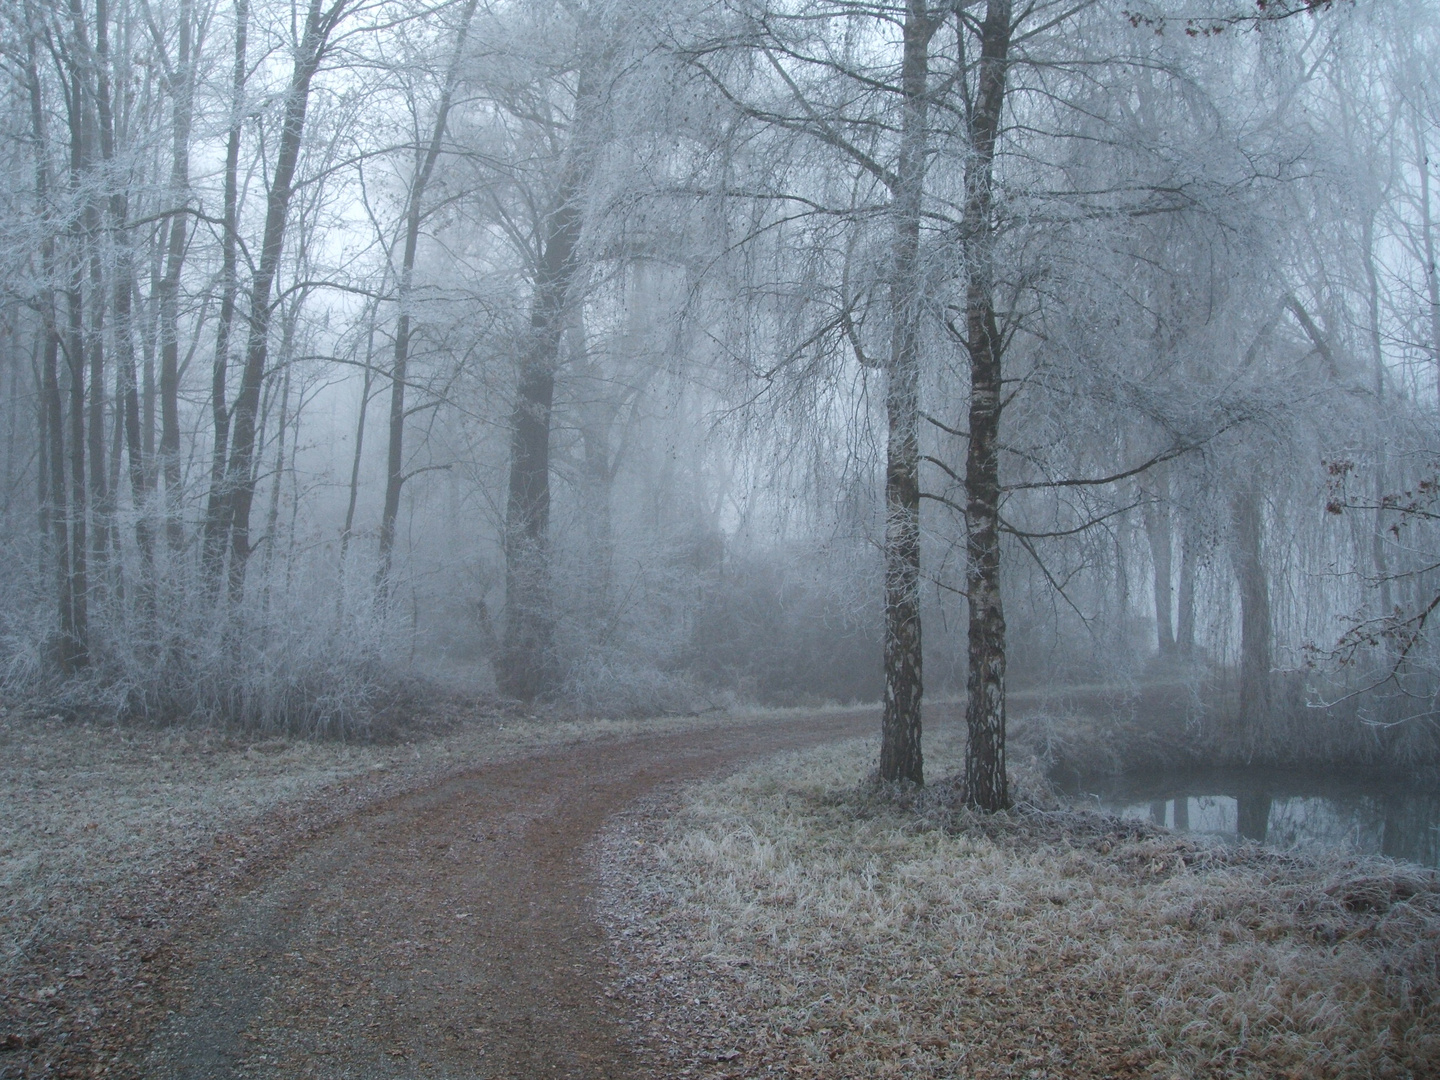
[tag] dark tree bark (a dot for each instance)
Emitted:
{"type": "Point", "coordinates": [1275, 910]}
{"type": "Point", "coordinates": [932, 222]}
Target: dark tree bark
{"type": "Point", "coordinates": [424, 168]}
{"type": "Point", "coordinates": [526, 667]}
{"type": "Point", "coordinates": [69, 652]}
{"type": "Point", "coordinates": [86, 120]}
{"type": "Point", "coordinates": [213, 544]}
{"type": "Point", "coordinates": [74, 348]}
{"type": "Point", "coordinates": [182, 91]}
{"type": "Point", "coordinates": [901, 758]}
{"type": "Point", "coordinates": [986, 779]}
{"type": "Point", "coordinates": [99, 493]}
{"type": "Point", "coordinates": [1255, 626]}
{"type": "Point", "coordinates": [239, 481]}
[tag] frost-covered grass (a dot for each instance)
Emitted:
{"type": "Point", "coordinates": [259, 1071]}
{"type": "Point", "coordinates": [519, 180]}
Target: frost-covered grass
{"type": "Point", "coordinates": [841, 935]}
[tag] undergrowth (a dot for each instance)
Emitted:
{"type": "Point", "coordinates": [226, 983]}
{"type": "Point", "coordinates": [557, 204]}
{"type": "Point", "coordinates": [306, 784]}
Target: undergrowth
{"type": "Point", "coordinates": [293, 664]}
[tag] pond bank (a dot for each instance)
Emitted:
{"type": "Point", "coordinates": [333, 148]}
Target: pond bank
{"type": "Point", "coordinates": [834, 934]}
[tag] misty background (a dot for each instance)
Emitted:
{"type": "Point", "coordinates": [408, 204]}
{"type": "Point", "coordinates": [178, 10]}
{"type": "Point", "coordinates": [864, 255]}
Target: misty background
{"type": "Point", "coordinates": [550, 349]}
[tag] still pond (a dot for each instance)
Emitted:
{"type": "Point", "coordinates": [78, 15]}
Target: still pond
{"type": "Point", "coordinates": [1361, 813]}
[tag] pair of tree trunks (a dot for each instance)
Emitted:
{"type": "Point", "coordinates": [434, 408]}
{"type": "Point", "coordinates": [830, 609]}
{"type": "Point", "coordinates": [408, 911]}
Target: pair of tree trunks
{"type": "Point", "coordinates": [986, 781]}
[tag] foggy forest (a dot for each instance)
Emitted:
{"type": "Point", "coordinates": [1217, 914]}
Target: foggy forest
{"type": "Point", "coordinates": [1063, 373]}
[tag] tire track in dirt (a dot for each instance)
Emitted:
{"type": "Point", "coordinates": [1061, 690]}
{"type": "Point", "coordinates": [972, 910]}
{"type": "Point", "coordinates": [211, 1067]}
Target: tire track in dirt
{"type": "Point", "coordinates": [445, 932]}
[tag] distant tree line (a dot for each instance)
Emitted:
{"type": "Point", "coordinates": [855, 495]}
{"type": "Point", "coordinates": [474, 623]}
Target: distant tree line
{"type": "Point", "coordinates": [719, 347]}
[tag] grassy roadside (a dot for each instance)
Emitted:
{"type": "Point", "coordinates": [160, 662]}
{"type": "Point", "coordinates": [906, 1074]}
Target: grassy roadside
{"type": "Point", "coordinates": [799, 925]}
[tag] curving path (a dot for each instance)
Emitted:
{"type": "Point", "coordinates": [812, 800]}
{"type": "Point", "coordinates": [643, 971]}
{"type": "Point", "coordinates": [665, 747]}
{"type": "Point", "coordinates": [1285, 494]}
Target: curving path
{"type": "Point", "coordinates": [444, 933]}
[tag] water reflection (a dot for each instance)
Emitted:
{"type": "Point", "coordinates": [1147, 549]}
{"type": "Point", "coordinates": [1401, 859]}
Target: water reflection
{"type": "Point", "coordinates": [1363, 814]}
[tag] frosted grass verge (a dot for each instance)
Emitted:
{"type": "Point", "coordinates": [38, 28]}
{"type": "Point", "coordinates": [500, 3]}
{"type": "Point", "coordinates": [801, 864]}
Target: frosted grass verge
{"type": "Point", "coordinates": [800, 923]}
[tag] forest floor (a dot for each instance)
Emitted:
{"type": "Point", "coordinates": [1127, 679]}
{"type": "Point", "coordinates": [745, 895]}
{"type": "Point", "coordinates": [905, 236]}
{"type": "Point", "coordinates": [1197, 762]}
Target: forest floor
{"type": "Point", "coordinates": [176, 904]}
{"type": "Point", "coordinates": [791, 920]}
{"type": "Point", "coordinates": [522, 896]}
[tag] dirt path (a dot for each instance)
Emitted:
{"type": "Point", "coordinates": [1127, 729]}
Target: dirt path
{"type": "Point", "coordinates": [445, 933]}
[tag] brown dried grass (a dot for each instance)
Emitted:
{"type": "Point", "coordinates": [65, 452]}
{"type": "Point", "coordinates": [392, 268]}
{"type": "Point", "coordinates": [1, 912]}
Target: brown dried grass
{"type": "Point", "coordinates": [798, 920]}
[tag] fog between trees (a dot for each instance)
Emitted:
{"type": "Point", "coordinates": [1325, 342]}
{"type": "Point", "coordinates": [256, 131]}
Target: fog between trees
{"type": "Point", "coordinates": [658, 357]}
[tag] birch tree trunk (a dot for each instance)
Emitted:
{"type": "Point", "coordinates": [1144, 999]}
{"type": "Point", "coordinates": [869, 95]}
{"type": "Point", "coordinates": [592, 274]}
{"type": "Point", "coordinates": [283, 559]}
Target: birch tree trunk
{"type": "Point", "coordinates": [986, 779]}
{"type": "Point", "coordinates": [901, 757]}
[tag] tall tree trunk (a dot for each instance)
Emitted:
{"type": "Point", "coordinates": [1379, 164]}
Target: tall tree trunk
{"type": "Point", "coordinates": [181, 89]}
{"type": "Point", "coordinates": [525, 663]}
{"type": "Point", "coordinates": [69, 652]}
{"type": "Point", "coordinates": [525, 669]}
{"type": "Point", "coordinates": [1156, 510]}
{"type": "Point", "coordinates": [75, 366]}
{"type": "Point", "coordinates": [987, 783]}
{"type": "Point", "coordinates": [1255, 626]}
{"type": "Point", "coordinates": [99, 495]}
{"type": "Point", "coordinates": [149, 343]}
{"type": "Point", "coordinates": [42, 431]}
{"type": "Point", "coordinates": [213, 544]}
{"type": "Point", "coordinates": [239, 481]}
{"type": "Point", "coordinates": [127, 399]}
{"type": "Point", "coordinates": [901, 757]}
{"type": "Point", "coordinates": [122, 291]}
{"type": "Point", "coordinates": [86, 341]}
